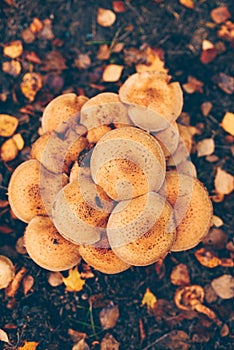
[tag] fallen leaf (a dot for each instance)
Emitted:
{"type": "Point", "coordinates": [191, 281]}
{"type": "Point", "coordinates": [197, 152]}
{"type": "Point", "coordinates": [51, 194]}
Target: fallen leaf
{"type": "Point", "coordinates": [3, 336]}
{"type": "Point", "coordinates": [193, 85]}
{"type": "Point", "coordinates": [109, 343]}
{"type": "Point", "coordinates": [216, 239]}
{"type": "Point", "coordinates": [76, 336]}
{"type": "Point", "coordinates": [225, 83]}
{"type": "Point", "coordinates": [73, 282]}
{"type": "Point", "coordinates": [36, 25]}
{"type": "Point", "coordinates": [226, 32]}
{"type": "Point", "coordinates": [178, 340]}
{"type": "Point", "coordinates": [118, 47]}
{"type": "Point", "coordinates": [217, 221]}
{"type": "Point", "coordinates": [119, 6]}
{"type": "Point", "coordinates": [103, 52]}
{"type": "Point", "coordinates": [224, 286]}
{"type": "Point", "coordinates": [27, 283]}
{"type": "Point", "coordinates": [13, 49]}
{"type": "Point", "coordinates": [220, 14]}
{"type": "Point", "coordinates": [28, 36]}
{"type": "Point", "coordinates": [30, 85]}
{"type": "Point", "coordinates": [149, 299]}
{"type": "Point", "coordinates": [31, 56]}
{"type": "Point", "coordinates": [9, 150]}
{"type": "Point", "coordinates": [54, 61]}
{"type": "Point", "coordinates": [83, 61]}
{"type": "Point", "coordinates": [29, 345]}
{"type": "Point", "coordinates": [55, 279]}
{"type": "Point", "coordinates": [19, 141]}
{"type": "Point", "coordinates": [81, 345]}
{"type": "Point", "coordinates": [109, 316]}
{"type": "Point", "coordinates": [187, 3]}
{"type": "Point", "coordinates": [12, 289]}
{"type": "Point", "coordinates": [205, 147]}
{"type": "Point", "coordinates": [228, 123]}
{"type": "Point", "coordinates": [105, 18]}
{"type": "Point", "coordinates": [8, 125]}
{"type": "Point", "coordinates": [207, 258]}
{"type": "Point", "coordinates": [180, 275]}
{"type": "Point", "coordinates": [154, 62]}
{"type": "Point", "coordinates": [112, 73]}
{"type": "Point", "coordinates": [142, 331]}
{"type": "Point", "coordinates": [12, 68]}
{"type": "Point", "coordinates": [206, 45]}
{"type": "Point", "coordinates": [224, 331]}
{"type": "Point", "coordinates": [206, 107]}
{"type": "Point", "coordinates": [224, 182]}
{"type": "Point", "coordinates": [208, 55]}
{"type": "Point", "coordinates": [46, 33]}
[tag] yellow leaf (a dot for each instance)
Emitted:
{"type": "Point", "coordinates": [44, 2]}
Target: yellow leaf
{"type": "Point", "coordinates": [187, 3]}
{"type": "Point", "coordinates": [31, 84]}
{"type": "Point", "coordinates": [8, 125]}
{"type": "Point", "coordinates": [149, 299]}
{"type": "Point", "coordinates": [29, 345]}
{"type": "Point", "coordinates": [228, 123]}
{"type": "Point", "coordinates": [73, 282]}
{"type": "Point", "coordinates": [13, 49]}
{"type": "Point", "coordinates": [112, 72]}
{"type": "Point", "coordinates": [19, 141]}
{"type": "Point", "coordinates": [154, 62]}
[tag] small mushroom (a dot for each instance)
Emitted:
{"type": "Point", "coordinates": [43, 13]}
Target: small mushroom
{"type": "Point", "coordinates": [7, 271]}
{"type": "Point", "coordinates": [101, 257]}
{"type": "Point", "coordinates": [127, 162]}
{"type": "Point", "coordinates": [104, 109]}
{"type": "Point", "coordinates": [141, 231]}
{"type": "Point", "coordinates": [61, 109]}
{"type": "Point", "coordinates": [153, 91]}
{"type": "Point", "coordinates": [47, 247]}
{"type": "Point", "coordinates": [193, 209]}
{"type": "Point", "coordinates": [80, 211]}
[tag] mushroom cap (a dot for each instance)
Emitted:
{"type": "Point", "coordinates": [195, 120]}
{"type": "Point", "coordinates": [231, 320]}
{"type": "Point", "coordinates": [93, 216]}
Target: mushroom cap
{"type": "Point", "coordinates": [184, 147]}
{"type": "Point", "coordinates": [60, 109]}
{"type": "Point", "coordinates": [80, 211]}
{"type": "Point", "coordinates": [127, 162]}
{"type": "Point", "coordinates": [168, 139]}
{"type": "Point", "coordinates": [24, 191]}
{"type": "Point", "coordinates": [153, 91]}
{"type": "Point", "coordinates": [7, 271]}
{"type": "Point", "coordinates": [77, 171]}
{"type": "Point", "coordinates": [47, 247]}
{"type": "Point", "coordinates": [142, 230]}
{"type": "Point", "coordinates": [104, 109]}
{"type": "Point", "coordinates": [193, 209]}
{"type": "Point", "coordinates": [101, 257]}
{"type": "Point", "coordinates": [187, 168]}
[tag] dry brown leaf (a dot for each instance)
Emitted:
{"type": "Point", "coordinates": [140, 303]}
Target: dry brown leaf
{"type": "Point", "coordinates": [81, 345]}
{"type": "Point", "coordinates": [228, 123]}
{"type": "Point", "coordinates": [109, 316]}
{"type": "Point", "coordinates": [28, 36]}
{"type": "Point", "coordinates": [8, 125]}
{"type": "Point", "coordinates": [154, 62]}
{"type": "Point", "coordinates": [76, 336]}
{"type": "Point", "coordinates": [206, 107]}
{"type": "Point", "coordinates": [178, 340]}
{"type": "Point", "coordinates": [118, 47]}
{"type": "Point", "coordinates": [29, 345]}
{"type": "Point", "coordinates": [180, 275]}
{"type": "Point", "coordinates": [220, 14]}
{"type": "Point", "coordinates": [46, 33]}
{"type": "Point", "coordinates": [205, 147]}
{"type": "Point", "coordinates": [83, 61]}
{"type": "Point", "coordinates": [27, 283]}
{"type": "Point", "coordinates": [217, 221]}
{"type": "Point", "coordinates": [73, 282]}
{"type": "Point", "coordinates": [19, 141]}
{"type": "Point", "coordinates": [3, 336]}
{"type": "Point", "coordinates": [12, 68]}
{"type": "Point", "coordinates": [119, 6]}
{"type": "Point", "coordinates": [208, 55]}
{"type": "Point", "coordinates": [54, 61]}
{"type": "Point", "coordinates": [226, 32]}
{"type": "Point", "coordinates": [105, 18]}
{"type": "Point", "coordinates": [103, 52]}
{"type": "Point", "coordinates": [224, 286]}
{"type": "Point", "coordinates": [109, 343]}
{"type": "Point", "coordinates": [193, 85]}
{"type": "Point", "coordinates": [187, 3]}
{"type": "Point", "coordinates": [31, 84]}
{"type": "Point", "coordinates": [55, 279]}
{"type": "Point", "coordinates": [149, 299]}
{"type": "Point", "coordinates": [9, 150]}
{"type": "Point", "coordinates": [225, 83]}
{"type": "Point", "coordinates": [207, 258]}
{"type": "Point", "coordinates": [112, 73]}
{"type": "Point", "coordinates": [216, 238]}
{"type": "Point", "coordinates": [15, 284]}
{"type": "Point", "coordinates": [36, 25]}
{"type": "Point", "coordinates": [224, 182]}
{"type": "Point", "coordinates": [13, 49]}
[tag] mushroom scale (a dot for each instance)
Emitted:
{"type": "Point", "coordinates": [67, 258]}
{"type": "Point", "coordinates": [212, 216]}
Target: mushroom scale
{"type": "Point", "coordinates": [47, 247]}
{"type": "Point", "coordinates": [193, 209]}
{"type": "Point", "coordinates": [142, 230]}
{"type": "Point", "coordinates": [127, 162]}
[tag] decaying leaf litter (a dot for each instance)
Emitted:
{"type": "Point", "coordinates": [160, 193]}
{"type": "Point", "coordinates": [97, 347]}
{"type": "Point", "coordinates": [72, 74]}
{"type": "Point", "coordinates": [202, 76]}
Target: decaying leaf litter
{"type": "Point", "coordinates": [45, 55]}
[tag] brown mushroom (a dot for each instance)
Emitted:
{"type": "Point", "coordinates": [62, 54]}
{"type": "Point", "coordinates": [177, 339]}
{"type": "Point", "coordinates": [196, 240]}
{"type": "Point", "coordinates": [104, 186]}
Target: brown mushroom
{"type": "Point", "coordinates": [61, 109]}
{"type": "Point", "coordinates": [184, 147]}
{"type": "Point", "coordinates": [168, 139]}
{"type": "Point", "coordinates": [81, 210]}
{"type": "Point", "coordinates": [104, 109]}
{"type": "Point", "coordinates": [193, 209]}
{"type": "Point", "coordinates": [153, 91]}
{"type": "Point", "coordinates": [7, 271]}
{"type": "Point", "coordinates": [101, 257]}
{"type": "Point", "coordinates": [127, 162]}
{"type": "Point", "coordinates": [142, 230]}
{"type": "Point", "coordinates": [47, 247]}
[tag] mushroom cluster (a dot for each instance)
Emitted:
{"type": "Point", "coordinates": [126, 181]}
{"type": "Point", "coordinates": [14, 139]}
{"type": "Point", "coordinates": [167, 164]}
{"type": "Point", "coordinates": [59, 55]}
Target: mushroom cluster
{"type": "Point", "coordinates": [110, 180]}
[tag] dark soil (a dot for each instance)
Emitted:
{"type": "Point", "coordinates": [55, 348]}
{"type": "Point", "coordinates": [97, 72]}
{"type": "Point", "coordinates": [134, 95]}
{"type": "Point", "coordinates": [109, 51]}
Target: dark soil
{"type": "Point", "coordinates": [45, 314]}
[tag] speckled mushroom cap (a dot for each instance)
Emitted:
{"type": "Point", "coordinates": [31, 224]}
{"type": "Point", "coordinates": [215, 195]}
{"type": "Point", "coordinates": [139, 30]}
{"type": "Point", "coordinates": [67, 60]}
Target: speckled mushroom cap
{"type": "Point", "coordinates": [193, 209]}
{"type": "Point", "coordinates": [127, 162]}
{"type": "Point", "coordinates": [81, 210]}
{"type": "Point", "coordinates": [60, 109]}
{"type": "Point", "coordinates": [101, 257]}
{"type": "Point", "coordinates": [142, 230]}
{"type": "Point", "coordinates": [47, 247]}
{"type": "Point", "coordinates": [104, 109]}
{"type": "Point", "coordinates": [7, 271]}
{"type": "Point", "coordinates": [153, 91]}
